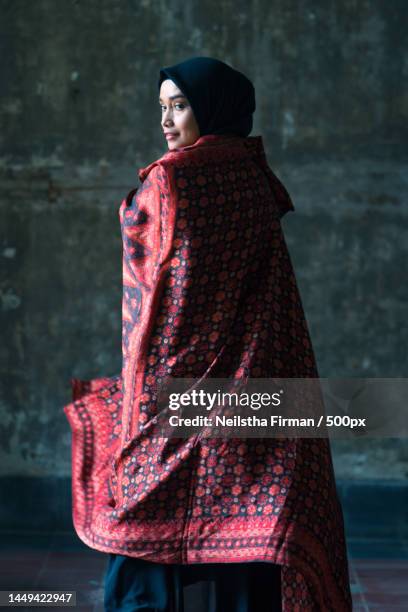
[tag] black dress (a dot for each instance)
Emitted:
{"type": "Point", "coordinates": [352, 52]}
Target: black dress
{"type": "Point", "coordinates": [133, 585]}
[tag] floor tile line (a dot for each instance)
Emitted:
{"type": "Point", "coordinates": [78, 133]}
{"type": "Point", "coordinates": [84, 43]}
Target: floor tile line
{"type": "Point", "coordinates": [360, 588]}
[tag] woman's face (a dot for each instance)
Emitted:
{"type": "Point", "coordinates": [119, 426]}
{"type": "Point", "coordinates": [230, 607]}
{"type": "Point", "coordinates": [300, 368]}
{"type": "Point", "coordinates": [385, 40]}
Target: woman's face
{"type": "Point", "coordinates": [178, 122]}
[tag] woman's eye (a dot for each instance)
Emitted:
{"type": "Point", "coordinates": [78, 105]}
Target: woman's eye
{"type": "Point", "coordinates": [178, 106]}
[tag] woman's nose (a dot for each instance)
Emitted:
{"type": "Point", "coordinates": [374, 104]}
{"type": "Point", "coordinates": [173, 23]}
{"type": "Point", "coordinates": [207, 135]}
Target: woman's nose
{"type": "Point", "coordinates": [166, 117]}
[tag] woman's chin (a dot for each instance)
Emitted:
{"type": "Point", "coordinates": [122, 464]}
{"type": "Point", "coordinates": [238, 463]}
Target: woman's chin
{"type": "Point", "coordinates": [177, 143]}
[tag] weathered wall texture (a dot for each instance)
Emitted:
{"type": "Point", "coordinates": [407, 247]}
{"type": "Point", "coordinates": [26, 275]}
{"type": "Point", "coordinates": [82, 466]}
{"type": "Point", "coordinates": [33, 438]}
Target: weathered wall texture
{"type": "Point", "coordinates": [79, 115]}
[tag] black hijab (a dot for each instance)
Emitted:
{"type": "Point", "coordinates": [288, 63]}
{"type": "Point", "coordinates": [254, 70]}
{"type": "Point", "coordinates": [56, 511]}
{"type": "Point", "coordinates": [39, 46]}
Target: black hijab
{"type": "Point", "coordinates": [222, 98]}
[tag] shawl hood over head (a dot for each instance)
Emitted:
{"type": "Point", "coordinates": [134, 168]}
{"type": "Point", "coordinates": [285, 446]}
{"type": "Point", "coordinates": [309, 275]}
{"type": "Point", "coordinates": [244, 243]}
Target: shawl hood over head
{"type": "Point", "coordinates": [222, 98]}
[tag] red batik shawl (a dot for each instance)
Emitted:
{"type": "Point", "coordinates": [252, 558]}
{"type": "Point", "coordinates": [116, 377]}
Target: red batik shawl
{"type": "Point", "coordinates": [208, 290]}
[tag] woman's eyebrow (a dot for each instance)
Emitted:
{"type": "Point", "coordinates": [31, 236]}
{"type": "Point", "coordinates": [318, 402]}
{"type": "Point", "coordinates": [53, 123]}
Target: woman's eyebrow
{"type": "Point", "coordinates": [173, 97]}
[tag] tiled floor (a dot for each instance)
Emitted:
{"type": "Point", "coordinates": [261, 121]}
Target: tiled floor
{"type": "Point", "coordinates": [378, 570]}
{"type": "Point", "coordinates": [379, 575]}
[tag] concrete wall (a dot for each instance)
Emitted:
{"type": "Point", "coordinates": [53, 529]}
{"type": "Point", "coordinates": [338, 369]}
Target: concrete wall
{"type": "Point", "coordinates": [79, 115]}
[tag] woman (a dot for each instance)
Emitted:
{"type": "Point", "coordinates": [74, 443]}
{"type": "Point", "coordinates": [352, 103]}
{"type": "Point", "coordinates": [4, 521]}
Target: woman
{"type": "Point", "coordinates": [208, 292]}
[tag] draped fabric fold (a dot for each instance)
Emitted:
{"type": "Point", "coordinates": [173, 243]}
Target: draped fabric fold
{"type": "Point", "coordinates": [208, 290]}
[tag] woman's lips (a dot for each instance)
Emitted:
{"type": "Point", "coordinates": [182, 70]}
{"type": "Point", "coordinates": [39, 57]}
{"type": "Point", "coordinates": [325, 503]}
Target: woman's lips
{"type": "Point", "coordinates": [171, 136]}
